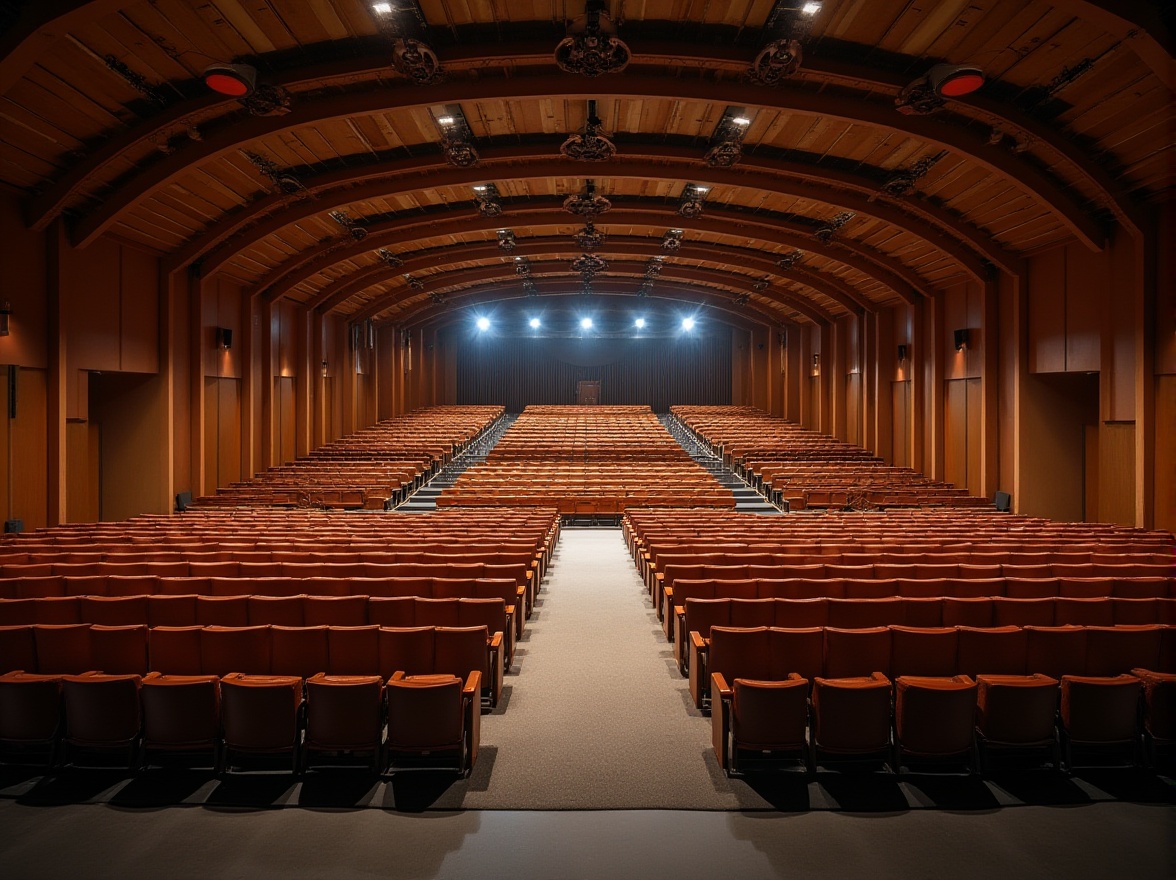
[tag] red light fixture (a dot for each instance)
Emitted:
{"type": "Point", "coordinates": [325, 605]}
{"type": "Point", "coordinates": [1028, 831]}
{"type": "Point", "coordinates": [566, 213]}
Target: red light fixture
{"type": "Point", "coordinates": [231, 80]}
{"type": "Point", "coordinates": [955, 80]}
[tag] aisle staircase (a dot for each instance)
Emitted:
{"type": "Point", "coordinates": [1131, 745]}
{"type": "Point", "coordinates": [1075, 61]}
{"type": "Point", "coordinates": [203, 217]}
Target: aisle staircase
{"type": "Point", "coordinates": [425, 498]}
{"type": "Point", "coordinates": [747, 499]}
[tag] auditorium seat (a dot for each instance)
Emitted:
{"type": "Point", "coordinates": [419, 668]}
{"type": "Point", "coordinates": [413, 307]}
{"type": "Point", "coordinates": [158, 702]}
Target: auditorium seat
{"type": "Point", "coordinates": [433, 718]}
{"type": "Point", "coordinates": [102, 713]}
{"type": "Point", "coordinates": [934, 717]}
{"type": "Point", "coordinates": [764, 718]}
{"type": "Point", "coordinates": [181, 713]}
{"type": "Point", "coordinates": [30, 712]}
{"type": "Point", "coordinates": [344, 713]}
{"type": "Point", "coordinates": [851, 716]}
{"type": "Point", "coordinates": [1099, 712]}
{"type": "Point", "coordinates": [119, 650]}
{"type": "Point", "coordinates": [1159, 710]}
{"type": "Point", "coordinates": [261, 714]}
{"type": "Point", "coordinates": [1016, 712]}
{"type": "Point", "coordinates": [302, 651]}
{"type": "Point", "coordinates": [923, 651]}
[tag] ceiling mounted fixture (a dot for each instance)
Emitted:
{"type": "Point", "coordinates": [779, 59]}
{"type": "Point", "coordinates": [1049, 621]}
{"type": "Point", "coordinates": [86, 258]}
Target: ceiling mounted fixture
{"type": "Point", "coordinates": [414, 283]}
{"type": "Point", "coordinates": [405, 24]}
{"type": "Point", "coordinates": [589, 266]}
{"type": "Point", "coordinates": [529, 287]}
{"type": "Point", "coordinates": [743, 299]}
{"type": "Point", "coordinates": [522, 266]}
{"type": "Point", "coordinates": [789, 260]}
{"type": "Point", "coordinates": [231, 80]}
{"type": "Point", "coordinates": [903, 180]}
{"type": "Point", "coordinates": [791, 21]}
{"type": "Point", "coordinates": [587, 203]}
{"type": "Point", "coordinates": [353, 228]}
{"type": "Point", "coordinates": [828, 228]}
{"type": "Point", "coordinates": [389, 258]}
{"type": "Point", "coordinates": [438, 299]}
{"type": "Point", "coordinates": [592, 47]}
{"type": "Point", "coordinates": [727, 141]}
{"type": "Point", "coordinates": [486, 200]}
{"type": "Point", "coordinates": [506, 240]}
{"type": "Point", "coordinates": [589, 238]}
{"type": "Point", "coordinates": [926, 94]}
{"type": "Point", "coordinates": [672, 240]}
{"type": "Point", "coordinates": [267, 100]}
{"type": "Point", "coordinates": [284, 179]}
{"type": "Point", "coordinates": [591, 146]}
{"type": "Point", "coordinates": [692, 197]}
{"type": "Point", "coordinates": [455, 138]}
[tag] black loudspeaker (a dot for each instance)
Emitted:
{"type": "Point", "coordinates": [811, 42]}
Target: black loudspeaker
{"type": "Point", "coordinates": [13, 526]}
{"type": "Point", "coordinates": [224, 337]}
{"type": "Point", "coordinates": [961, 339]}
{"type": "Point", "coordinates": [1004, 502]}
{"type": "Point", "coordinates": [183, 501]}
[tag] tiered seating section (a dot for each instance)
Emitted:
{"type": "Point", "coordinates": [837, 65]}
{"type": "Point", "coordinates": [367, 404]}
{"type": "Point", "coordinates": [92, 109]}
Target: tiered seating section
{"type": "Point", "coordinates": [792, 464]}
{"type": "Point", "coordinates": [588, 461]}
{"type": "Point", "coordinates": [373, 469]}
{"type": "Point", "coordinates": [864, 601]}
{"type": "Point", "coordinates": [239, 597]}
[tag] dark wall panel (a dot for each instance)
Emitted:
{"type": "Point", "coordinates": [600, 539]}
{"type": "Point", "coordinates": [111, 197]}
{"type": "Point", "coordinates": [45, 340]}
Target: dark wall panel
{"type": "Point", "coordinates": [658, 372]}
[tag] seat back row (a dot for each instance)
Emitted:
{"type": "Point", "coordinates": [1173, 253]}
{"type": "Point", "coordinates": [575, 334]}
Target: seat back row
{"type": "Point", "coordinates": [254, 650]}
{"type": "Point", "coordinates": [772, 653]}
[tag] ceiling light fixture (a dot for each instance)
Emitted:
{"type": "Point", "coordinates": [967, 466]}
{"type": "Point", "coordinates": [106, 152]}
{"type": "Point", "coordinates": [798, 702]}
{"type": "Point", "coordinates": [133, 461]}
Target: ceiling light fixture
{"type": "Point", "coordinates": [483, 323]}
{"type": "Point", "coordinates": [585, 323]}
{"type": "Point", "coordinates": [232, 80]}
{"type": "Point", "coordinates": [925, 95]}
{"type": "Point", "coordinates": [534, 322]}
{"type": "Point", "coordinates": [591, 146]}
{"type": "Point", "coordinates": [592, 47]}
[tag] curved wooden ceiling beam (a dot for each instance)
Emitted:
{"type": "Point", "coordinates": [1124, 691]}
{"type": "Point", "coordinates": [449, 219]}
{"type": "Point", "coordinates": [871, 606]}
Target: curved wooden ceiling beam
{"type": "Point", "coordinates": [961, 242]}
{"type": "Point", "coordinates": [540, 272]}
{"type": "Point", "coordinates": [631, 212]}
{"type": "Point", "coordinates": [624, 246]}
{"type": "Point", "coordinates": [43, 208]}
{"type": "Point", "coordinates": [41, 24]}
{"type": "Point", "coordinates": [420, 312]}
{"type": "Point", "coordinates": [945, 135]}
{"type": "Point", "coordinates": [1138, 24]}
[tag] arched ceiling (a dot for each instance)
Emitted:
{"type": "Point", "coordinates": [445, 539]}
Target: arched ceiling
{"type": "Point", "coordinates": [345, 201]}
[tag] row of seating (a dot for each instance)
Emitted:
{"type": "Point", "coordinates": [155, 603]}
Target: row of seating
{"type": "Point", "coordinates": [372, 469]}
{"type": "Point", "coordinates": [773, 653]}
{"type": "Point", "coordinates": [71, 649]}
{"type": "Point", "coordinates": [922, 718]}
{"type": "Point", "coordinates": [832, 473]}
{"type": "Point", "coordinates": [699, 615]}
{"type": "Point", "coordinates": [399, 720]}
{"type": "Point", "coordinates": [588, 461]}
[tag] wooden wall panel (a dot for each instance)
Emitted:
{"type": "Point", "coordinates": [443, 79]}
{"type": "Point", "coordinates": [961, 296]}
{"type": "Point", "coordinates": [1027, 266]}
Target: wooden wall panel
{"type": "Point", "coordinates": [286, 342]}
{"type": "Point", "coordinates": [90, 282]}
{"type": "Point", "coordinates": [740, 367]}
{"type": "Point", "coordinates": [1116, 473]}
{"type": "Point", "coordinates": [81, 473]}
{"type": "Point", "coordinates": [853, 408]}
{"type": "Point", "coordinates": [139, 296]}
{"type": "Point", "coordinates": [1087, 288]}
{"type": "Point", "coordinates": [284, 419]}
{"type": "Point", "coordinates": [1165, 437]}
{"type": "Point", "coordinates": [29, 486]}
{"type": "Point", "coordinates": [900, 423]}
{"type": "Point", "coordinates": [211, 436]}
{"type": "Point", "coordinates": [228, 444]}
{"type": "Point", "coordinates": [1047, 312]}
{"type": "Point", "coordinates": [22, 255]}
{"type": "Point", "coordinates": [955, 432]}
{"type": "Point", "coordinates": [1165, 304]}
{"type": "Point", "coordinates": [1123, 313]}
{"type": "Point", "coordinates": [1090, 513]}
{"type": "Point", "coordinates": [975, 398]}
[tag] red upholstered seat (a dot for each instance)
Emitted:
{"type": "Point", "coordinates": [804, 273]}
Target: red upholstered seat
{"type": "Point", "coordinates": [851, 716]}
{"type": "Point", "coordinates": [434, 718]}
{"type": "Point", "coordinates": [261, 714]}
{"type": "Point", "coordinates": [344, 713]}
{"type": "Point", "coordinates": [102, 712]}
{"type": "Point", "coordinates": [934, 716]}
{"type": "Point", "coordinates": [1016, 711]}
{"type": "Point", "coordinates": [181, 713]}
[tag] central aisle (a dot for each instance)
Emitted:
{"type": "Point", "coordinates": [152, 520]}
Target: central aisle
{"type": "Point", "coordinates": [598, 716]}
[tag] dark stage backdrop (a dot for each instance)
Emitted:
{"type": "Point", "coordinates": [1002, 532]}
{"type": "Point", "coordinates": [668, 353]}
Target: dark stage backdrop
{"type": "Point", "coordinates": [515, 372]}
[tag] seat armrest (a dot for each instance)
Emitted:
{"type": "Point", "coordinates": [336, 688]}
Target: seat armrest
{"type": "Point", "coordinates": [722, 697]}
{"type": "Point", "coordinates": [699, 679]}
{"type": "Point", "coordinates": [666, 612]}
{"type": "Point", "coordinates": [681, 640]}
{"type": "Point", "coordinates": [472, 710]}
{"type": "Point", "coordinates": [496, 667]}
{"type": "Point", "coordinates": [399, 675]}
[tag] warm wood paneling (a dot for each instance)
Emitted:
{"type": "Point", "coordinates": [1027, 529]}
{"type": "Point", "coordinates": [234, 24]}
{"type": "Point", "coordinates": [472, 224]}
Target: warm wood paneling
{"type": "Point", "coordinates": [900, 423]}
{"type": "Point", "coordinates": [1165, 428]}
{"type": "Point", "coordinates": [222, 433]}
{"type": "Point", "coordinates": [22, 255]}
{"type": "Point", "coordinates": [29, 444]}
{"type": "Point", "coordinates": [284, 420]}
{"type": "Point", "coordinates": [82, 471]}
{"type": "Point", "coordinates": [1116, 473]}
{"type": "Point", "coordinates": [1088, 283]}
{"type": "Point", "coordinates": [132, 412]}
{"type": "Point", "coordinates": [1047, 312]}
{"type": "Point", "coordinates": [955, 432]}
{"type": "Point", "coordinates": [853, 408]}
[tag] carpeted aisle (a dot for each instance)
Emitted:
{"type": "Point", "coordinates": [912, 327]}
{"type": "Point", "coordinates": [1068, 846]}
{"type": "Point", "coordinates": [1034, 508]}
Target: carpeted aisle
{"type": "Point", "coordinates": [598, 717]}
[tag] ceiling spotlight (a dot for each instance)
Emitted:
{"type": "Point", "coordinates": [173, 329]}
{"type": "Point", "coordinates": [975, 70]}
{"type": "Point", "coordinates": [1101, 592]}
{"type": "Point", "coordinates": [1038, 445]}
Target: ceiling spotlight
{"type": "Point", "coordinates": [585, 323]}
{"type": "Point", "coordinates": [382, 8]}
{"type": "Point", "coordinates": [232, 80]}
{"type": "Point", "coordinates": [534, 322]}
{"type": "Point", "coordinates": [811, 8]}
{"type": "Point", "coordinates": [741, 120]}
{"type": "Point", "coordinates": [688, 324]}
{"type": "Point", "coordinates": [639, 323]}
{"type": "Point", "coordinates": [483, 323]}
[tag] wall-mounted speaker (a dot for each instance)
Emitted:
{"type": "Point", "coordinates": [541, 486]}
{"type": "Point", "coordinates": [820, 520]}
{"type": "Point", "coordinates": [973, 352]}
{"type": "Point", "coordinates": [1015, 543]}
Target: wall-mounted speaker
{"type": "Point", "coordinates": [224, 338]}
{"type": "Point", "coordinates": [961, 339]}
